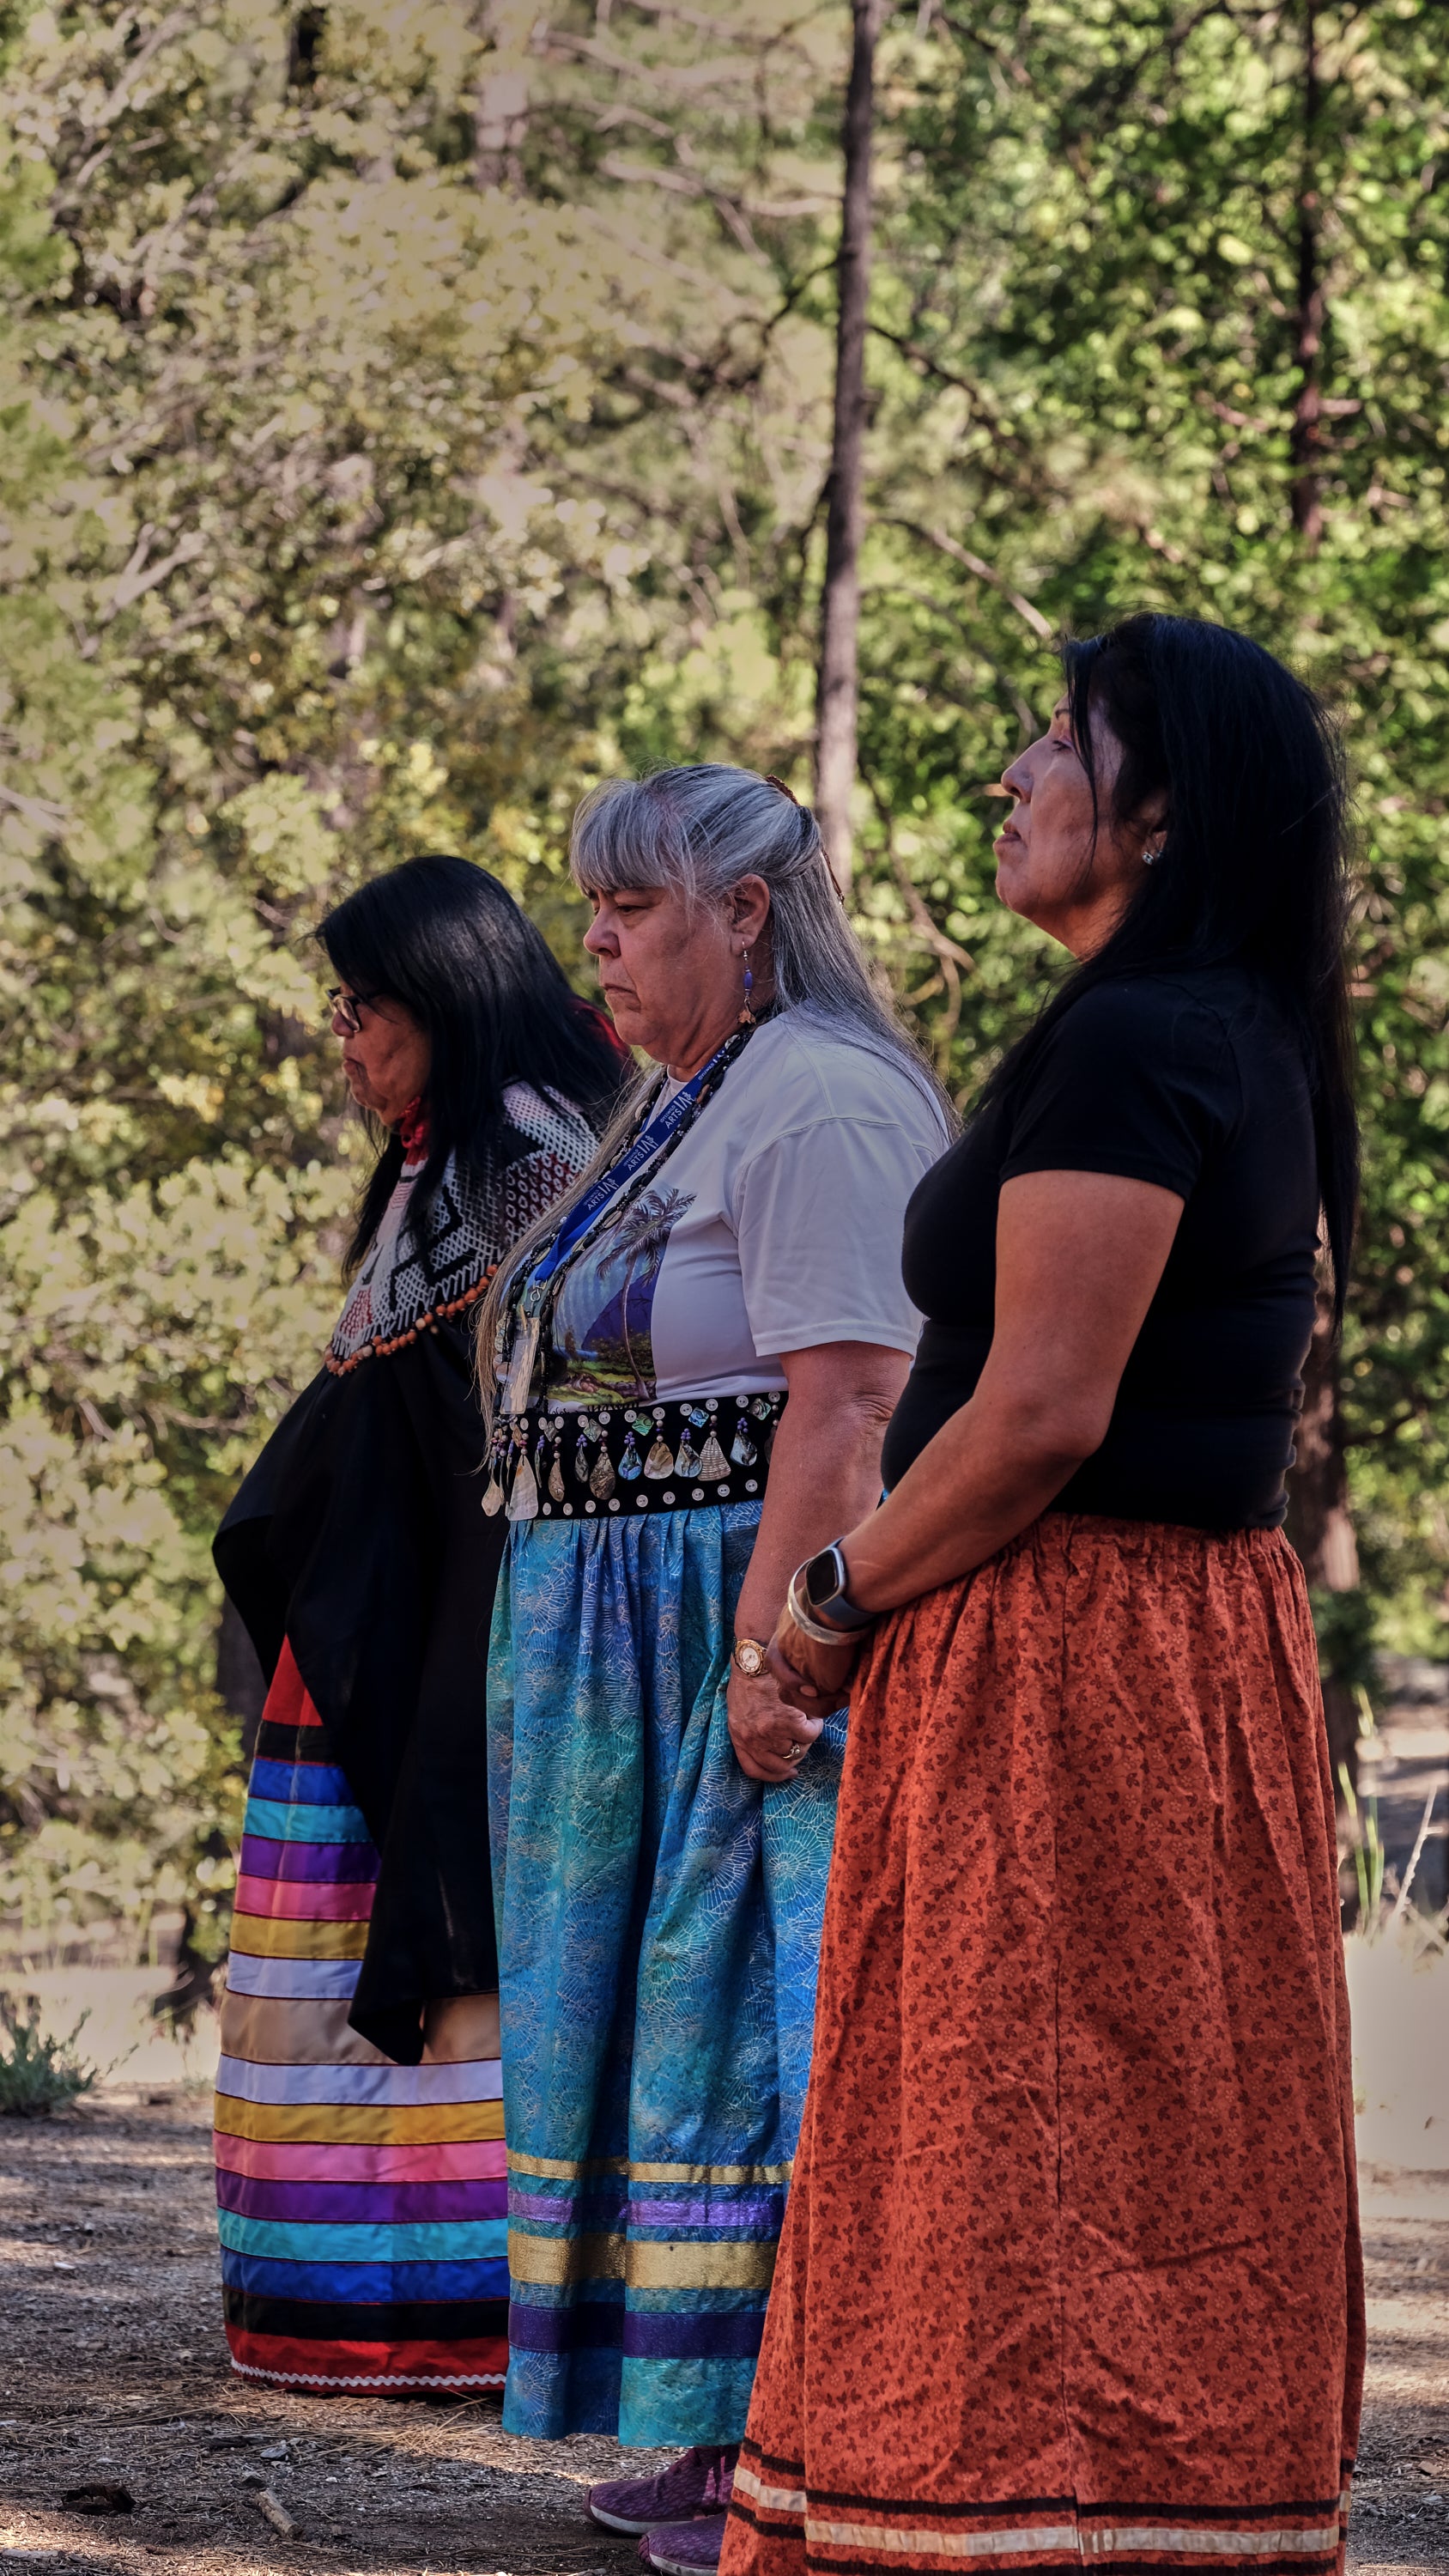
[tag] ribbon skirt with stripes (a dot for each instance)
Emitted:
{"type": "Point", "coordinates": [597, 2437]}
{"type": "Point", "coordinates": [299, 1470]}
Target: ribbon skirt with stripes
{"type": "Point", "coordinates": [362, 2205]}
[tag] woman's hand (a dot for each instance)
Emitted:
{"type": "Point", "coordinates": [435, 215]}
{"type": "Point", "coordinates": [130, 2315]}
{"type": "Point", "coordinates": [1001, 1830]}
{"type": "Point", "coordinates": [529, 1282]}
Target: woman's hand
{"type": "Point", "coordinates": [813, 1679]}
{"type": "Point", "coordinates": [762, 1727]}
{"type": "Point", "coordinates": [824, 1475]}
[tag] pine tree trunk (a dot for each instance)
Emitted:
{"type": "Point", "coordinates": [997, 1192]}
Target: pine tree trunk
{"type": "Point", "coordinates": [1320, 1525]}
{"type": "Point", "coordinates": [838, 682]}
{"type": "Point", "coordinates": [1320, 1519]}
{"type": "Point", "coordinates": [500, 101]}
{"type": "Point", "coordinates": [1306, 437]}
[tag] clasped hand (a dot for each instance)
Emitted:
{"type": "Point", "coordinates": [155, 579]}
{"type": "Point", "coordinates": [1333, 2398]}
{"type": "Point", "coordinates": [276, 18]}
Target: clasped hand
{"type": "Point", "coordinates": [809, 1678]}
{"type": "Point", "coordinates": [762, 1726]}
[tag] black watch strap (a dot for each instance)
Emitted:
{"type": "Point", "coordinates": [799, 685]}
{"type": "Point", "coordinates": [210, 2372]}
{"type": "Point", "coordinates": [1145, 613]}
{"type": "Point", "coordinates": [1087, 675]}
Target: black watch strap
{"type": "Point", "coordinates": [823, 1580]}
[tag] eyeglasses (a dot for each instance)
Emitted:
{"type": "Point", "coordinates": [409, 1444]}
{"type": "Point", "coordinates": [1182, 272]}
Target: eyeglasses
{"type": "Point", "coordinates": [345, 1007]}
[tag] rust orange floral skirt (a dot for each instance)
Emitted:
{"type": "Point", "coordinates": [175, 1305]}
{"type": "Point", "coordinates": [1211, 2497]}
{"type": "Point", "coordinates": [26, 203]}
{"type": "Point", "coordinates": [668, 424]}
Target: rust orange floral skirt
{"type": "Point", "coordinates": [1071, 2265]}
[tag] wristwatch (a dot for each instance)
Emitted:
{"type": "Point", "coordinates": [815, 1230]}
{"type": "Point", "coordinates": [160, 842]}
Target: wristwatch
{"type": "Point", "coordinates": [748, 1657]}
{"type": "Point", "coordinates": [822, 1580]}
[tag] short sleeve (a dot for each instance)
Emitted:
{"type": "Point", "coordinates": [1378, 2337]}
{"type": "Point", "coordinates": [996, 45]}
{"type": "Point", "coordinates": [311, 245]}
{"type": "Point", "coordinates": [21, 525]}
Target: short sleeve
{"type": "Point", "coordinates": [1138, 1079]}
{"type": "Point", "coordinates": [820, 1219]}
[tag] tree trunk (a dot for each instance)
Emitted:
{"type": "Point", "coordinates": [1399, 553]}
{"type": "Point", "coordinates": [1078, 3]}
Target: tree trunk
{"type": "Point", "coordinates": [1306, 438]}
{"type": "Point", "coordinates": [241, 1685]}
{"type": "Point", "coordinates": [1320, 1520]}
{"type": "Point", "coordinates": [1320, 1525]}
{"type": "Point", "coordinates": [304, 44]}
{"type": "Point", "coordinates": [500, 102]}
{"type": "Point", "coordinates": [837, 684]}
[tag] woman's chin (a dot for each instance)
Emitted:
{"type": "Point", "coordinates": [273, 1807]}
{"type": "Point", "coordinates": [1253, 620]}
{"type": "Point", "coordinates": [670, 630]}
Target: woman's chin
{"type": "Point", "coordinates": [1010, 878]}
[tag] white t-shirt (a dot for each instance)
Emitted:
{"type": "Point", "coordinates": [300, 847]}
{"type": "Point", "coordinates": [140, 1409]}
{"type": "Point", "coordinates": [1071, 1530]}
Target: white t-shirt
{"type": "Point", "coordinates": [774, 1226]}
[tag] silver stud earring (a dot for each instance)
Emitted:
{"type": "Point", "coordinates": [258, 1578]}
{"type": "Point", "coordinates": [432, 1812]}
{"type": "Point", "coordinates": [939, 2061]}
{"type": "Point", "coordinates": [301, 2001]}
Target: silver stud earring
{"type": "Point", "coordinates": [1151, 857]}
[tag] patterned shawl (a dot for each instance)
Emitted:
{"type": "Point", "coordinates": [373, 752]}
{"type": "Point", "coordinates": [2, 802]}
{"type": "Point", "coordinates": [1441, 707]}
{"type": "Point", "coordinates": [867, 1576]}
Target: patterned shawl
{"type": "Point", "coordinates": [409, 1281]}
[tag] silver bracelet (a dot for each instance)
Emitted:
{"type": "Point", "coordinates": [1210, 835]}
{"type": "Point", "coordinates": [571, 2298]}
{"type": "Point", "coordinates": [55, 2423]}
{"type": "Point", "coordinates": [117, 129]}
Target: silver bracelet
{"type": "Point", "coordinates": [801, 1618]}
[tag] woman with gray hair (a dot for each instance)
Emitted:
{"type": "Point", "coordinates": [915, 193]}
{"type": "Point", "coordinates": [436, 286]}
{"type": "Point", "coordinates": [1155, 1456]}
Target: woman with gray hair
{"type": "Point", "coordinates": [694, 1357]}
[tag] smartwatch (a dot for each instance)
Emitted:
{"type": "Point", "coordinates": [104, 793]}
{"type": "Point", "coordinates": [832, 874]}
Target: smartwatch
{"type": "Point", "coordinates": [822, 1581]}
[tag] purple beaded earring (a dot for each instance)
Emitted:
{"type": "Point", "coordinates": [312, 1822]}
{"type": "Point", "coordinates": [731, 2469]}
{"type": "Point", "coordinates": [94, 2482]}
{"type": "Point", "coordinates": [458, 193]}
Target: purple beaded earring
{"type": "Point", "coordinates": [747, 1017]}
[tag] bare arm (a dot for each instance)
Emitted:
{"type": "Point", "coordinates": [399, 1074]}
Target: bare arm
{"type": "Point", "coordinates": [1078, 1259]}
{"type": "Point", "coordinates": [824, 1476]}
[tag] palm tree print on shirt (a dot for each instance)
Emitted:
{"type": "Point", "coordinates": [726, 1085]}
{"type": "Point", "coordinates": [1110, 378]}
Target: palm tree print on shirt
{"type": "Point", "coordinates": [603, 1350]}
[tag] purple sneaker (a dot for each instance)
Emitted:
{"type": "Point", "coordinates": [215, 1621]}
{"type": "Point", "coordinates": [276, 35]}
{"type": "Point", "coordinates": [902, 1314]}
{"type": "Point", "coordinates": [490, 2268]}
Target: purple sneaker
{"type": "Point", "coordinates": [699, 2483]}
{"type": "Point", "coordinates": [685, 2548]}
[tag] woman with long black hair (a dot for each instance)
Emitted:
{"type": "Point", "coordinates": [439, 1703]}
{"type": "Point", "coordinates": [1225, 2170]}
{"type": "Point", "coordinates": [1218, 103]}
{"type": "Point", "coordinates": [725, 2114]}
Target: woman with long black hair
{"type": "Point", "coordinates": [362, 2200]}
{"type": "Point", "coordinates": [1080, 2105]}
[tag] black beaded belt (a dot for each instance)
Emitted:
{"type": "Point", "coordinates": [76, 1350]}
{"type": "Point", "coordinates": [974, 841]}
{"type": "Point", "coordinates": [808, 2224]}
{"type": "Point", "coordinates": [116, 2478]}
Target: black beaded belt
{"type": "Point", "coordinates": [625, 1460]}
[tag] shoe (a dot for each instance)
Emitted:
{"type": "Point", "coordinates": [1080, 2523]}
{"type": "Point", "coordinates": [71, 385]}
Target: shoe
{"type": "Point", "coordinates": [685, 2548]}
{"type": "Point", "coordinates": [700, 2483]}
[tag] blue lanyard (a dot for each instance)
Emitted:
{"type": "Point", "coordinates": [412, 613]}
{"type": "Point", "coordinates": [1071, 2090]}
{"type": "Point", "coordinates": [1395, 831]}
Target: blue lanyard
{"type": "Point", "coordinates": [608, 1185]}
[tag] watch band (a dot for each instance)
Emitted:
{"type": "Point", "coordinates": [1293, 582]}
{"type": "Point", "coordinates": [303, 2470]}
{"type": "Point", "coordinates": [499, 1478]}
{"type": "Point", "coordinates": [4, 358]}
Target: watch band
{"type": "Point", "coordinates": [822, 1580]}
{"type": "Point", "coordinates": [805, 1620]}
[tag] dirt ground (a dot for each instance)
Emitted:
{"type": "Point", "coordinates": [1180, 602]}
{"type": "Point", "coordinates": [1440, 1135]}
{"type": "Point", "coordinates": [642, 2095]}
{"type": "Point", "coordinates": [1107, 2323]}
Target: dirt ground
{"type": "Point", "coordinates": [113, 2368]}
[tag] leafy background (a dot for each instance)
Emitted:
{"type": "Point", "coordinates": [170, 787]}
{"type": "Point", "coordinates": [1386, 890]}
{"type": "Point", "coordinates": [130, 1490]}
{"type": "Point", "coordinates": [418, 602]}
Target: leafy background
{"type": "Point", "coordinates": [415, 409]}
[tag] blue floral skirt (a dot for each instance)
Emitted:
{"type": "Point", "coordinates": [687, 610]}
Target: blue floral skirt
{"type": "Point", "coordinates": [658, 1928]}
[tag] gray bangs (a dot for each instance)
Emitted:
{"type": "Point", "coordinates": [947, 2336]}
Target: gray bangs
{"type": "Point", "coordinates": [695, 832]}
{"type": "Point", "coordinates": [629, 832]}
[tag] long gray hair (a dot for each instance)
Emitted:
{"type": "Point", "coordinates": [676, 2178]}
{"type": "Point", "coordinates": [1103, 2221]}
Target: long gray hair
{"type": "Point", "coordinates": [696, 832]}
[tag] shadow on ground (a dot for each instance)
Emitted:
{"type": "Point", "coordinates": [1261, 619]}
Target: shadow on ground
{"type": "Point", "coordinates": [113, 2368]}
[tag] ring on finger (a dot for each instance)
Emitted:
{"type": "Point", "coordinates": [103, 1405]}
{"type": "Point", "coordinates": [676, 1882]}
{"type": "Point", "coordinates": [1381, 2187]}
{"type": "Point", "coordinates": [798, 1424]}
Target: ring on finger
{"type": "Point", "coordinates": [795, 1752]}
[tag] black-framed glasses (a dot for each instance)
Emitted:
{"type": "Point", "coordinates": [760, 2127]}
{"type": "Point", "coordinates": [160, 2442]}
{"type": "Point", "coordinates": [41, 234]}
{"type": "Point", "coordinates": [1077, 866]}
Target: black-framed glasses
{"type": "Point", "coordinates": [345, 1007]}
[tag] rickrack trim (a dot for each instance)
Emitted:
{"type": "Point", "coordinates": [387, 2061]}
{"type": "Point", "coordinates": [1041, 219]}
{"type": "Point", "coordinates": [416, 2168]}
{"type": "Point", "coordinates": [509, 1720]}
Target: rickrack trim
{"type": "Point", "coordinates": [374, 2379]}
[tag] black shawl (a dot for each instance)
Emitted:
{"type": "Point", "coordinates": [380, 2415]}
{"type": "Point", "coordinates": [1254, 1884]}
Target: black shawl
{"type": "Point", "coordinates": [359, 1537]}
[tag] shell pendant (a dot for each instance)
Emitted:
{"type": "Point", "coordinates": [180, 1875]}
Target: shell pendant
{"type": "Point", "coordinates": [601, 1477]}
{"type": "Point", "coordinates": [712, 1460]}
{"type": "Point", "coordinates": [523, 1500]}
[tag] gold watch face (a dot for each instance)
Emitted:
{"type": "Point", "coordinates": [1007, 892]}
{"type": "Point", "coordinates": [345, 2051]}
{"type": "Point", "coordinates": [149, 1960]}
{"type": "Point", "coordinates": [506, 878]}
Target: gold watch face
{"type": "Point", "coordinates": [750, 1656]}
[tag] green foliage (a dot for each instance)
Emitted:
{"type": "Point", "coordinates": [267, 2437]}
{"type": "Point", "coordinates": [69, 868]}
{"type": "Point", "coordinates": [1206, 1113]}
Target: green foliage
{"type": "Point", "coordinates": [1369, 1859]}
{"type": "Point", "coordinates": [405, 426]}
{"type": "Point", "coordinates": [1161, 322]}
{"type": "Point", "coordinates": [353, 476]}
{"type": "Point", "coordinates": [38, 2074]}
{"type": "Point", "coordinates": [1345, 1624]}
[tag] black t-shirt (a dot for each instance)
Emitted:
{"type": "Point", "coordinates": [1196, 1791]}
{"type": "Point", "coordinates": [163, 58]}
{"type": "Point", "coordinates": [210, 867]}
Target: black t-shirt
{"type": "Point", "coordinates": [1194, 1081]}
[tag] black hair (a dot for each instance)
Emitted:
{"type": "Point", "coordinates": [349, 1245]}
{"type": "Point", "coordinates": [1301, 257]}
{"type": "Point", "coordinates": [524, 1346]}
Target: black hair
{"type": "Point", "coordinates": [446, 939]}
{"type": "Point", "coordinates": [1254, 862]}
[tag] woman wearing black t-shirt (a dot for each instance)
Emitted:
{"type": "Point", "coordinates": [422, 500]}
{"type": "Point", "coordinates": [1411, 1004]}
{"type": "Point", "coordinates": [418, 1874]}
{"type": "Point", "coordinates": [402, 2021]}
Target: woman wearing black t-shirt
{"type": "Point", "coordinates": [1071, 2262]}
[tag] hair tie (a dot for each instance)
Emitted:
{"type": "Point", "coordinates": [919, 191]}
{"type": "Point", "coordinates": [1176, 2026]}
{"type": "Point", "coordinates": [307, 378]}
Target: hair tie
{"type": "Point", "coordinates": [772, 781]}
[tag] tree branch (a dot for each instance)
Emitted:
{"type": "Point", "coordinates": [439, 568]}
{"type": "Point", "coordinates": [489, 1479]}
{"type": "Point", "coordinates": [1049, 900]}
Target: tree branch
{"type": "Point", "coordinates": [972, 563]}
